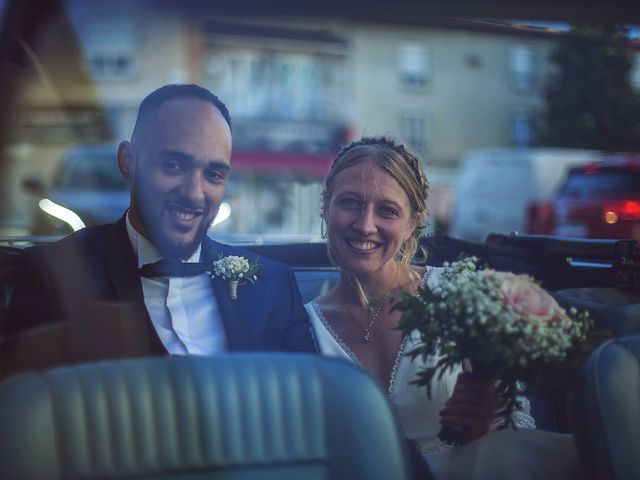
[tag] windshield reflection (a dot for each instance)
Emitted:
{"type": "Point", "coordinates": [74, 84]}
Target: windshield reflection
{"type": "Point", "coordinates": [298, 89]}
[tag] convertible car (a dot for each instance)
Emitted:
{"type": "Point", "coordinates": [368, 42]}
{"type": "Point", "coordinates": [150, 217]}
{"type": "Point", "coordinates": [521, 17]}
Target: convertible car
{"type": "Point", "coordinates": [301, 80]}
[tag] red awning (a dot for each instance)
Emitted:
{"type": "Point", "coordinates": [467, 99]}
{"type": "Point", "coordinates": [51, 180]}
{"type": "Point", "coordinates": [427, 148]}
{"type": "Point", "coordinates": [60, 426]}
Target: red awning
{"type": "Point", "coordinates": [310, 164]}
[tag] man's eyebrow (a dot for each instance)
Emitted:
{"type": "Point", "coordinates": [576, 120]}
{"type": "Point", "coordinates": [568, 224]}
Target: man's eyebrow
{"type": "Point", "coordinates": [219, 165]}
{"type": "Point", "coordinates": [168, 152]}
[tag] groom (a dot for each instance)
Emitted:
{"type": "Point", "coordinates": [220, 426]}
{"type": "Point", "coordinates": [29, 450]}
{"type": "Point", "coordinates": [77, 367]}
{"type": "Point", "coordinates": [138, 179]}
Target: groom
{"type": "Point", "coordinates": [104, 292]}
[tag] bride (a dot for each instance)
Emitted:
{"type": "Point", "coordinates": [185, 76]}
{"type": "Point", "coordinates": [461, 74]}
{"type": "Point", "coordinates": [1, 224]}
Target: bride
{"type": "Point", "coordinates": [374, 205]}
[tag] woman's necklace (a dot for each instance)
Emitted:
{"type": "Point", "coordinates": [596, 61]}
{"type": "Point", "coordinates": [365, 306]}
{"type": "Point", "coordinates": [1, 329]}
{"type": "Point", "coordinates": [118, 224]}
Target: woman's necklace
{"type": "Point", "coordinates": [373, 314]}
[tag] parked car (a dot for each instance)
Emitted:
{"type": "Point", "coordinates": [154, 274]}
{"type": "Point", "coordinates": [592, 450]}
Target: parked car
{"type": "Point", "coordinates": [87, 189]}
{"type": "Point", "coordinates": [599, 200]}
{"type": "Point", "coordinates": [495, 186]}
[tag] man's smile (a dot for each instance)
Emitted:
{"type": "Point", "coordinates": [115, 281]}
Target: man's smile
{"type": "Point", "coordinates": [184, 216]}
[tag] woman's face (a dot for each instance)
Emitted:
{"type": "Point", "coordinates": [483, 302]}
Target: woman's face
{"type": "Point", "coordinates": [368, 218]}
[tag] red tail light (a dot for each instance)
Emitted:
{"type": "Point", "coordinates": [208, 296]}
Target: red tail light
{"type": "Point", "coordinates": [614, 211]}
{"type": "Point", "coordinates": [540, 218]}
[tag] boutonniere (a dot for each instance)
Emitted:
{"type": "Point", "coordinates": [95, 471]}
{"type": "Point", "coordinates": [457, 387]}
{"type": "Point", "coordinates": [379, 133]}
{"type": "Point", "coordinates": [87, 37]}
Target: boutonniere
{"type": "Point", "coordinates": [237, 270]}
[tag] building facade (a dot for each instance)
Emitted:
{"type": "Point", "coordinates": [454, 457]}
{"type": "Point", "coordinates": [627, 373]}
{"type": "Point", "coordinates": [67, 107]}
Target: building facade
{"type": "Point", "coordinates": [298, 89]}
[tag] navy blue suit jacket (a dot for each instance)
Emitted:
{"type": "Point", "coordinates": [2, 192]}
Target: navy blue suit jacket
{"type": "Point", "coordinates": [85, 291]}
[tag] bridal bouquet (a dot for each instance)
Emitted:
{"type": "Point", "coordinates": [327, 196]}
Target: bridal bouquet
{"type": "Point", "coordinates": [506, 325]}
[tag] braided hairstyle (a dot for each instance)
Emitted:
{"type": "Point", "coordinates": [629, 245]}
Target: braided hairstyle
{"type": "Point", "coordinates": [396, 160]}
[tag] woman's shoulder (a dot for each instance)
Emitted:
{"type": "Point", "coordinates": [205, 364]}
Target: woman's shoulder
{"type": "Point", "coordinates": [323, 305]}
{"type": "Point", "coordinates": [316, 316]}
{"type": "Point", "coordinates": [323, 301]}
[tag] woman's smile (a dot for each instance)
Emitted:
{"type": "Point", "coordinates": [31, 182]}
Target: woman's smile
{"type": "Point", "coordinates": [362, 245]}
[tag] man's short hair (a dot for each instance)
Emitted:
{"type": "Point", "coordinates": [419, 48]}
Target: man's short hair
{"type": "Point", "coordinates": [155, 99]}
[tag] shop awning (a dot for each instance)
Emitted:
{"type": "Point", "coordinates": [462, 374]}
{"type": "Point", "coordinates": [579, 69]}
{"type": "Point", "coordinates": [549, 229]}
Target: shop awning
{"type": "Point", "coordinates": [303, 163]}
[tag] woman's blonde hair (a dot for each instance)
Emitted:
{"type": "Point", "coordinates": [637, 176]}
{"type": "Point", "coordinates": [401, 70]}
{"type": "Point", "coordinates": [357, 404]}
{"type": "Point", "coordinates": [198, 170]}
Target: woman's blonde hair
{"type": "Point", "coordinates": [399, 162]}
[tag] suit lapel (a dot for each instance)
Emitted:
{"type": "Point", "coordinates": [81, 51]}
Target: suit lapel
{"type": "Point", "coordinates": [135, 323]}
{"type": "Point", "coordinates": [123, 274]}
{"type": "Point", "coordinates": [233, 312]}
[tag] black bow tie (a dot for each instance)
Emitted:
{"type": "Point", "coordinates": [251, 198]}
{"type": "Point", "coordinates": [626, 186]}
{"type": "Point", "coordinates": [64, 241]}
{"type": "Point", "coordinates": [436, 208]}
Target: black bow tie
{"type": "Point", "coordinates": [173, 268]}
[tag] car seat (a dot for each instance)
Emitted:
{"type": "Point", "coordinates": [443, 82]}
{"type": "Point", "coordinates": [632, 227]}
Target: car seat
{"type": "Point", "coordinates": [234, 416]}
{"type": "Point", "coordinates": [604, 406]}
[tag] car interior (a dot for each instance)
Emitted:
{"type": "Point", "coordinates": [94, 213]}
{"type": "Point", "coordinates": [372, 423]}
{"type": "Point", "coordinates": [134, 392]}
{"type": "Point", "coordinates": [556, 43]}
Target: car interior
{"type": "Point", "coordinates": [122, 409]}
{"type": "Point", "coordinates": [226, 429]}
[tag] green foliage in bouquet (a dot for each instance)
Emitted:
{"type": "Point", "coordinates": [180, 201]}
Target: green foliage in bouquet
{"type": "Point", "coordinates": [510, 329]}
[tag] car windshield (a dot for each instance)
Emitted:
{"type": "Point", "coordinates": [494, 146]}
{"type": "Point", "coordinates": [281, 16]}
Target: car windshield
{"type": "Point", "coordinates": [183, 231]}
{"type": "Point", "coordinates": [470, 95]}
{"type": "Point", "coordinates": [601, 183]}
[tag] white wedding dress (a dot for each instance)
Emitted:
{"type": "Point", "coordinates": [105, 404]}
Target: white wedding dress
{"type": "Point", "coordinates": [525, 453]}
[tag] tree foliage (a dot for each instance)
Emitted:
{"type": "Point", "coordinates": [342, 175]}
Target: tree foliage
{"type": "Point", "coordinates": [590, 101]}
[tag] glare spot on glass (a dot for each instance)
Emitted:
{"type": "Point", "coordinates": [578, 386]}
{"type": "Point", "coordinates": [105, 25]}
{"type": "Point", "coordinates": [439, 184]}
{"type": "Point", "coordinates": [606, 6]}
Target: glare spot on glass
{"type": "Point", "coordinates": [224, 212]}
{"type": "Point", "coordinates": [62, 213]}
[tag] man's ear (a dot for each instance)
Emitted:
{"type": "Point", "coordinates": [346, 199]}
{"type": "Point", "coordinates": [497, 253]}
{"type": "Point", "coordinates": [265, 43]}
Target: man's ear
{"type": "Point", "coordinates": [126, 159]}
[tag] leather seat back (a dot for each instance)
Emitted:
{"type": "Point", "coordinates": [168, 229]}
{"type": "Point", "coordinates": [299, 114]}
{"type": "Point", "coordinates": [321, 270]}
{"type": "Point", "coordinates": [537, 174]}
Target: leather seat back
{"type": "Point", "coordinates": [605, 410]}
{"type": "Point", "coordinates": [9, 257]}
{"type": "Point", "coordinates": [233, 416]}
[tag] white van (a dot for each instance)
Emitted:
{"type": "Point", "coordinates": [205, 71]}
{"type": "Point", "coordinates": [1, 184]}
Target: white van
{"type": "Point", "coordinates": [495, 186]}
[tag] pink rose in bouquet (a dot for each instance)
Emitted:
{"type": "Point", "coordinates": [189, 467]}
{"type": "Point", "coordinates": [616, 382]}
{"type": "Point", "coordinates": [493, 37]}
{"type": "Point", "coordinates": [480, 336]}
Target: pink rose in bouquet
{"type": "Point", "coordinates": [524, 297]}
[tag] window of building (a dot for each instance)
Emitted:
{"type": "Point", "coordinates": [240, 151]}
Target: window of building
{"type": "Point", "coordinates": [415, 132]}
{"type": "Point", "coordinates": [522, 129]}
{"type": "Point", "coordinates": [111, 53]}
{"type": "Point", "coordinates": [414, 65]}
{"type": "Point", "coordinates": [522, 67]}
{"type": "Point", "coordinates": [265, 82]}
{"type": "Point", "coordinates": [238, 75]}
{"type": "Point", "coordinates": [295, 78]}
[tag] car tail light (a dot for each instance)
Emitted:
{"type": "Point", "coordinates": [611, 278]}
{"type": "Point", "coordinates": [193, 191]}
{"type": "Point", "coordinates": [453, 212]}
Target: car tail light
{"type": "Point", "coordinates": [540, 218]}
{"type": "Point", "coordinates": [591, 168]}
{"type": "Point", "coordinates": [614, 211]}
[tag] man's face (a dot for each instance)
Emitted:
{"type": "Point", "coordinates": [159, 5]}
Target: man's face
{"type": "Point", "coordinates": [178, 170]}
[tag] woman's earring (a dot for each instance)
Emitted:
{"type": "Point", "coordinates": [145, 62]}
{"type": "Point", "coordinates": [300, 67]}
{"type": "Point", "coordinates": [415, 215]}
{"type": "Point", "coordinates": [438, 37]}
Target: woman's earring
{"type": "Point", "coordinates": [323, 229]}
{"type": "Point", "coordinates": [403, 252]}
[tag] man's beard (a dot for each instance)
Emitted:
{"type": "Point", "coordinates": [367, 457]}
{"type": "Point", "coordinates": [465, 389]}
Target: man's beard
{"type": "Point", "coordinates": [168, 247]}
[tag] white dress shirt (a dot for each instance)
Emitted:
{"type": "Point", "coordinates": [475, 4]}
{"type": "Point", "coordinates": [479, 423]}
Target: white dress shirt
{"type": "Point", "coordinates": [183, 310]}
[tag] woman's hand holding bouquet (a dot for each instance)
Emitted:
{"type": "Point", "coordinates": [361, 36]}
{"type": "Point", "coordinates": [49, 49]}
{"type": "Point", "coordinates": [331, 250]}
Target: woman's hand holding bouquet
{"type": "Point", "coordinates": [506, 326]}
{"type": "Point", "coordinates": [471, 409]}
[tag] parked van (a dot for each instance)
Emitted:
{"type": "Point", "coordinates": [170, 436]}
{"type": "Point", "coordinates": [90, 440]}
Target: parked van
{"type": "Point", "coordinates": [495, 186]}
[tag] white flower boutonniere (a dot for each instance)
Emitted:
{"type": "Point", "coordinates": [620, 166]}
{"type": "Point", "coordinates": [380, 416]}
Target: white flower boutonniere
{"type": "Point", "coordinates": [238, 270]}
